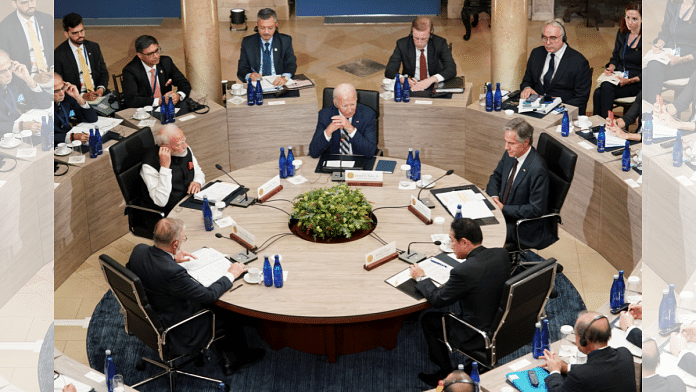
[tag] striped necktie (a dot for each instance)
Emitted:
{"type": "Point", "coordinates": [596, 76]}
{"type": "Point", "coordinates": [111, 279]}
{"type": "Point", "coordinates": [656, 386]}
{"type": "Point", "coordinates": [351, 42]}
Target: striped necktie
{"type": "Point", "coordinates": [345, 142]}
{"type": "Point", "coordinates": [510, 180]}
{"type": "Point", "coordinates": [156, 93]}
{"type": "Point", "coordinates": [85, 71]}
{"type": "Point", "coordinates": [36, 47]}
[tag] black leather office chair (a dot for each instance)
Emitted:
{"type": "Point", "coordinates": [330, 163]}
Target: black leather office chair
{"type": "Point", "coordinates": [560, 161]}
{"type": "Point", "coordinates": [369, 98]}
{"type": "Point", "coordinates": [521, 306]}
{"type": "Point", "coordinates": [126, 160]}
{"type": "Point", "coordinates": [141, 321]}
{"type": "Point", "coordinates": [473, 8]}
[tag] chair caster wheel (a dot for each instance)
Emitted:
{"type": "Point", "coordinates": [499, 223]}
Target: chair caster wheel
{"type": "Point", "coordinates": [140, 365]}
{"type": "Point", "coordinates": [227, 387]}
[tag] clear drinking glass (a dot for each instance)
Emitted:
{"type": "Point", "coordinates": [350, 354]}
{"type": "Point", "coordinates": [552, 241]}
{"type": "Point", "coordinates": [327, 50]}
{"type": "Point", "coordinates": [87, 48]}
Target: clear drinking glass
{"type": "Point", "coordinates": [405, 176]}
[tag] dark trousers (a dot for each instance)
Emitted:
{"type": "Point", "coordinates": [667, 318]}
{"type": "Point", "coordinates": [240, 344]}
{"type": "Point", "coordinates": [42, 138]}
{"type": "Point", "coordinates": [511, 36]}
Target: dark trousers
{"type": "Point", "coordinates": [231, 324]}
{"type": "Point", "coordinates": [431, 323]}
{"type": "Point", "coordinates": [655, 73]}
{"type": "Point", "coordinates": [606, 93]}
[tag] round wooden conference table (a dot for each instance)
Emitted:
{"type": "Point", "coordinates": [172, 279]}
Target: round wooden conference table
{"type": "Point", "coordinates": [329, 304]}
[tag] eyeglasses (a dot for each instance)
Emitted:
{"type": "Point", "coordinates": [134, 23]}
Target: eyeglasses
{"type": "Point", "coordinates": [549, 39]}
{"type": "Point", "coordinates": [151, 54]}
{"type": "Point", "coordinates": [77, 33]}
{"type": "Point", "coordinates": [65, 87]}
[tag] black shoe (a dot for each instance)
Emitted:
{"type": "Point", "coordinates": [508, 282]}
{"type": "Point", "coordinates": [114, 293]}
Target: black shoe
{"type": "Point", "coordinates": [252, 356]}
{"type": "Point", "coordinates": [227, 361]}
{"type": "Point", "coordinates": [432, 379]}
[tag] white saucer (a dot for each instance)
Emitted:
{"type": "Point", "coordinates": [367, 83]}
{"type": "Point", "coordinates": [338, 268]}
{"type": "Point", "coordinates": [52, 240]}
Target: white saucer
{"type": "Point", "coordinates": [582, 128]}
{"type": "Point", "coordinates": [419, 184]}
{"type": "Point", "coordinates": [13, 145]}
{"type": "Point", "coordinates": [248, 280]}
{"type": "Point", "coordinates": [237, 100]}
{"type": "Point", "coordinates": [145, 117]}
{"type": "Point", "coordinates": [446, 248]}
{"type": "Point", "coordinates": [62, 154]}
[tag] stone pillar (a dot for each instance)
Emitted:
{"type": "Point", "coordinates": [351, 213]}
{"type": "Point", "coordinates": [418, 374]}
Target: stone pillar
{"type": "Point", "coordinates": [200, 27]}
{"type": "Point", "coordinates": [509, 43]}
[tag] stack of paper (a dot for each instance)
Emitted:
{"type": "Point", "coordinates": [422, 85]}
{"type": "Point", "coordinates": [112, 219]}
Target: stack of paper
{"type": "Point", "coordinates": [473, 205]}
{"type": "Point", "coordinates": [216, 192]}
{"type": "Point", "coordinates": [661, 130]}
{"type": "Point", "coordinates": [662, 56]}
{"type": "Point", "coordinates": [613, 78]}
{"type": "Point", "coordinates": [105, 124]}
{"type": "Point", "coordinates": [209, 266]}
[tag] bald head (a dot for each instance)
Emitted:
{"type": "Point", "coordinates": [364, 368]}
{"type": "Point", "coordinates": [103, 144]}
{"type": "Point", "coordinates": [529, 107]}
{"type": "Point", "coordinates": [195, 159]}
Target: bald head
{"type": "Point", "coordinates": [167, 231]}
{"type": "Point", "coordinates": [651, 357]}
{"type": "Point", "coordinates": [597, 332]}
{"type": "Point", "coordinates": [457, 382]}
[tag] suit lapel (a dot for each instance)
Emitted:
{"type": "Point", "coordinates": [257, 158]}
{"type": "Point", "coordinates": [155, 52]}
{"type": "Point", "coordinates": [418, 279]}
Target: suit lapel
{"type": "Point", "coordinates": [276, 53]}
{"type": "Point", "coordinates": [521, 172]}
{"type": "Point", "coordinates": [256, 53]}
{"type": "Point", "coordinates": [411, 57]}
{"type": "Point", "coordinates": [432, 60]}
{"type": "Point", "coordinates": [562, 68]}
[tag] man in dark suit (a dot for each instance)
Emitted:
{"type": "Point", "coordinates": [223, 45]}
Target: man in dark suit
{"type": "Point", "coordinates": [423, 56]}
{"type": "Point", "coordinates": [568, 76]}
{"type": "Point", "coordinates": [67, 100]}
{"type": "Point", "coordinates": [267, 52]}
{"type": "Point", "coordinates": [345, 128]}
{"type": "Point", "coordinates": [27, 36]}
{"type": "Point", "coordinates": [476, 284]}
{"type": "Point", "coordinates": [18, 95]}
{"type": "Point", "coordinates": [169, 170]}
{"type": "Point", "coordinates": [653, 382]}
{"type": "Point", "coordinates": [519, 185]}
{"type": "Point", "coordinates": [175, 296]}
{"type": "Point", "coordinates": [141, 87]}
{"type": "Point", "coordinates": [80, 61]}
{"type": "Point", "coordinates": [607, 369]}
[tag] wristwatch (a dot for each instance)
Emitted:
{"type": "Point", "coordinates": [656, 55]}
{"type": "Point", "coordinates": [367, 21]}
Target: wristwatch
{"type": "Point", "coordinates": [420, 278]}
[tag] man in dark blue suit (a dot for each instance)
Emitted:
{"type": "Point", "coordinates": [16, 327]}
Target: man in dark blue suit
{"type": "Point", "coordinates": [267, 52]}
{"type": "Point", "coordinates": [607, 369]}
{"type": "Point", "coordinates": [174, 295]}
{"type": "Point", "coordinates": [67, 100]}
{"type": "Point", "coordinates": [519, 185]}
{"type": "Point", "coordinates": [19, 93]}
{"type": "Point", "coordinates": [345, 128]}
{"type": "Point", "coordinates": [652, 381]}
{"type": "Point", "coordinates": [558, 70]}
{"type": "Point", "coordinates": [16, 32]}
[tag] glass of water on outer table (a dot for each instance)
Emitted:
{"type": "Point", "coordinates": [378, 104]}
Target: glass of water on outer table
{"type": "Point", "coordinates": [405, 176]}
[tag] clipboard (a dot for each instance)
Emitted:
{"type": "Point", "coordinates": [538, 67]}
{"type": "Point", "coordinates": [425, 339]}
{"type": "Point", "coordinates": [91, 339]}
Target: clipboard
{"type": "Point", "coordinates": [409, 286]}
{"type": "Point", "coordinates": [194, 204]}
{"type": "Point", "coordinates": [481, 221]}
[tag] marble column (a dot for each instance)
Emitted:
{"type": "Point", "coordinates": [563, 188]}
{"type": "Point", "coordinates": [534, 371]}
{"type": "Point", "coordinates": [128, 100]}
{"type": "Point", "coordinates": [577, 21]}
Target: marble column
{"type": "Point", "coordinates": [509, 43]}
{"type": "Point", "coordinates": [199, 21]}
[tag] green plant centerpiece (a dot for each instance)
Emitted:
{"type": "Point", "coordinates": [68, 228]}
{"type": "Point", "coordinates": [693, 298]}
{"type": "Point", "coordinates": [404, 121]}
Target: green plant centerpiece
{"type": "Point", "coordinates": [335, 212]}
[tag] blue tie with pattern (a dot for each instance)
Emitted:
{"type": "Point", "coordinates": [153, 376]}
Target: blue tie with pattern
{"type": "Point", "coordinates": [267, 59]}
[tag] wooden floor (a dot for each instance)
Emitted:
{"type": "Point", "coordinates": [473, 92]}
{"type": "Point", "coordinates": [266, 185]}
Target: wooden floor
{"type": "Point", "coordinates": [320, 50]}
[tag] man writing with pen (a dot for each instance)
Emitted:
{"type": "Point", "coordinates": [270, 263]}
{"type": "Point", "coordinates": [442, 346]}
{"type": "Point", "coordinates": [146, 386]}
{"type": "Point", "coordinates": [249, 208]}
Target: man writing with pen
{"type": "Point", "coordinates": [477, 284]}
{"type": "Point", "coordinates": [150, 77]}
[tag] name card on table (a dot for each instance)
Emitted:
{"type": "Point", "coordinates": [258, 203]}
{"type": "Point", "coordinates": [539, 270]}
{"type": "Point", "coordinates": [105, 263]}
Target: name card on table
{"type": "Point", "coordinates": [420, 210]}
{"type": "Point", "coordinates": [380, 256]}
{"type": "Point", "coordinates": [364, 177]}
{"type": "Point", "coordinates": [243, 237]}
{"type": "Point", "coordinates": [270, 188]}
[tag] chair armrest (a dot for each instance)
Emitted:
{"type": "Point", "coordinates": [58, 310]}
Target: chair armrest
{"type": "Point", "coordinates": [186, 320]}
{"type": "Point", "coordinates": [525, 220]}
{"type": "Point", "coordinates": [125, 211]}
{"type": "Point", "coordinates": [483, 334]}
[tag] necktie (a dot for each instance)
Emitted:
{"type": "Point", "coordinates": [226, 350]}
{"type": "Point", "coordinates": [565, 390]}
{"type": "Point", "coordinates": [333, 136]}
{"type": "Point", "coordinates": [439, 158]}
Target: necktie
{"type": "Point", "coordinates": [36, 47]}
{"type": "Point", "coordinates": [85, 71]}
{"type": "Point", "coordinates": [549, 73]}
{"type": "Point", "coordinates": [508, 185]}
{"type": "Point", "coordinates": [267, 59]}
{"type": "Point", "coordinates": [423, 66]}
{"type": "Point", "coordinates": [61, 115]}
{"type": "Point", "coordinates": [345, 142]}
{"type": "Point", "coordinates": [156, 93]}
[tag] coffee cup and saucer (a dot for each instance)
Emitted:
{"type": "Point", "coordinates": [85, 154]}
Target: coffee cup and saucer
{"type": "Point", "coordinates": [388, 84]}
{"type": "Point", "coordinates": [253, 276]}
{"type": "Point", "coordinates": [446, 246]}
{"type": "Point", "coordinates": [10, 140]}
{"type": "Point", "coordinates": [237, 89]}
{"type": "Point", "coordinates": [426, 181]}
{"type": "Point", "coordinates": [583, 123]}
{"type": "Point", "coordinates": [141, 114]}
{"type": "Point", "coordinates": [62, 150]}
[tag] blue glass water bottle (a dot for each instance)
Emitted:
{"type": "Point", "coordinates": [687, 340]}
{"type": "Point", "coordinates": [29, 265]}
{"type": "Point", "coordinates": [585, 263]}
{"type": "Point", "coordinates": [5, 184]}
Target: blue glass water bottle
{"type": "Point", "coordinates": [406, 90]}
{"type": "Point", "coordinates": [672, 301]}
{"type": "Point", "coordinates": [397, 89]}
{"type": "Point", "coordinates": [45, 143]}
{"type": "Point", "coordinates": [601, 139]}
{"type": "Point", "coordinates": [409, 161]}
{"type": "Point", "coordinates": [626, 157]}
{"type": "Point", "coordinates": [622, 288]}
{"type": "Point", "coordinates": [92, 144]}
{"type": "Point", "coordinates": [171, 110]}
{"type": "Point", "coordinates": [648, 129]}
{"type": "Point", "coordinates": [98, 140]}
{"type": "Point", "coordinates": [545, 335]}
{"type": "Point", "coordinates": [489, 98]}
{"type": "Point", "coordinates": [537, 346]}
{"type": "Point", "coordinates": [497, 98]}
{"type": "Point", "coordinates": [109, 370]}
{"type": "Point", "coordinates": [251, 96]}
{"type": "Point", "coordinates": [614, 296]}
{"type": "Point", "coordinates": [678, 150]}
{"type": "Point", "coordinates": [459, 212]}
{"type": "Point", "coordinates": [163, 111]}
{"type": "Point", "coordinates": [207, 215]}
{"type": "Point", "coordinates": [664, 321]}
{"type": "Point", "coordinates": [565, 125]}
{"type": "Point", "coordinates": [267, 271]}
{"type": "Point", "coordinates": [416, 168]}
{"type": "Point", "coordinates": [277, 273]}
{"type": "Point", "coordinates": [283, 164]}
{"type": "Point", "coordinates": [291, 157]}
{"type": "Point", "coordinates": [475, 374]}
{"type": "Point", "coordinates": [259, 93]}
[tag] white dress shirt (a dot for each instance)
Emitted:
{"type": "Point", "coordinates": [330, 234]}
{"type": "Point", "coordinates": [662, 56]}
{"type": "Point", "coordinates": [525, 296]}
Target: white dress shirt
{"type": "Point", "coordinates": [425, 53]}
{"type": "Point", "coordinates": [159, 183]}
{"type": "Point", "coordinates": [23, 21]}
{"type": "Point", "coordinates": [156, 101]}
{"type": "Point", "coordinates": [520, 161]}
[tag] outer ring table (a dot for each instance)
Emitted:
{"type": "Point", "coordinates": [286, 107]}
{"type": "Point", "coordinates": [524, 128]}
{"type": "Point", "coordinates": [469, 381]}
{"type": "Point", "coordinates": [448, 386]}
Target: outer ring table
{"type": "Point", "coordinates": [329, 305]}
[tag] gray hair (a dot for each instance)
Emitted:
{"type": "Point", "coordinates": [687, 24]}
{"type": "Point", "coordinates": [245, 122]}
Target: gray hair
{"type": "Point", "coordinates": [522, 128]}
{"type": "Point", "coordinates": [164, 135]}
{"type": "Point", "coordinates": [167, 230]}
{"type": "Point", "coordinates": [267, 13]}
{"type": "Point", "coordinates": [555, 23]}
{"type": "Point", "coordinates": [343, 89]}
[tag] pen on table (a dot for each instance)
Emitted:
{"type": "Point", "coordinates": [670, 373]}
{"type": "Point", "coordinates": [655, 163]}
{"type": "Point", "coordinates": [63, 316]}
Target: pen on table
{"type": "Point", "coordinates": [231, 290]}
{"type": "Point", "coordinates": [438, 263]}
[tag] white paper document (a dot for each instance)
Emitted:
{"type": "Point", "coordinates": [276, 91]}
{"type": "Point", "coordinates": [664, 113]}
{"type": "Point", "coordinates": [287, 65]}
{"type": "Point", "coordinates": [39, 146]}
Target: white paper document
{"type": "Point", "coordinates": [60, 382]}
{"type": "Point", "coordinates": [104, 123]}
{"type": "Point", "coordinates": [662, 56]}
{"type": "Point", "coordinates": [661, 130]}
{"type": "Point", "coordinates": [669, 366]}
{"type": "Point", "coordinates": [613, 78]}
{"type": "Point", "coordinates": [209, 266]}
{"type": "Point", "coordinates": [436, 270]}
{"type": "Point", "coordinates": [618, 339]}
{"type": "Point", "coordinates": [216, 192]}
{"type": "Point", "coordinates": [339, 163]}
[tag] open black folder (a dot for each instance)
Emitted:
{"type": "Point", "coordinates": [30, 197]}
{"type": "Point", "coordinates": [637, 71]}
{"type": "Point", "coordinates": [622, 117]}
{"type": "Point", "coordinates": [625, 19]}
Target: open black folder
{"type": "Point", "coordinates": [194, 204]}
{"type": "Point", "coordinates": [409, 286]}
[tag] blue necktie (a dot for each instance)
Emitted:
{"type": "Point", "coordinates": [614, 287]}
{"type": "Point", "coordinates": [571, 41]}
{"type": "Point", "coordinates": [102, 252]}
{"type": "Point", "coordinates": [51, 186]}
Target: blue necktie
{"type": "Point", "coordinates": [549, 73]}
{"type": "Point", "coordinates": [267, 60]}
